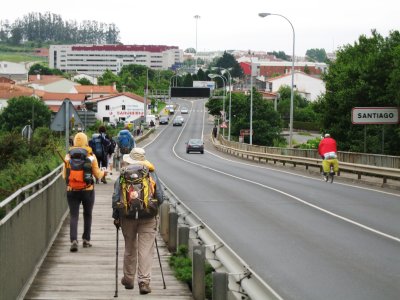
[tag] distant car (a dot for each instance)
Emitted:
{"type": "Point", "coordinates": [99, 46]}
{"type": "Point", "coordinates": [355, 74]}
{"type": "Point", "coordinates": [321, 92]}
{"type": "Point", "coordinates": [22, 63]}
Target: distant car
{"type": "Point", "coordinates": [195, 145]}
{"type": "Point", "coordinates": [178, 121]}
{"type": "Point", "coordinates": [184, 110]}
{"type": "Point", "coordinates": [163, 120]}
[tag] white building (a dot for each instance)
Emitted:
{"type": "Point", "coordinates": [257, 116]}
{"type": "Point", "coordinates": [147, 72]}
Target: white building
{"type": "Point", "coordinates": [95, 59]}
{"type": "Point", "coordinates": [306, 85]}
{"type": "Point", "coordinates": [52, 83]}
{"type": "Point", "coordinates": [120, 107]}
{"type": "Point", "coordinates": [15, 71]}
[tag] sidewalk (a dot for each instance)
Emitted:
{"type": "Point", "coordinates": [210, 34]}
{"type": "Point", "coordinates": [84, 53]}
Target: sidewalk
{"type": "Point", "coordinates": [90, 272]}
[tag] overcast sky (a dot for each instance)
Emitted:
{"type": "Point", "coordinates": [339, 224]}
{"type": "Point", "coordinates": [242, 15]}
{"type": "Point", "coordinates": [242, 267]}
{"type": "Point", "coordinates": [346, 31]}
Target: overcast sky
{"type": "Point", "coordinates": [227, 24]}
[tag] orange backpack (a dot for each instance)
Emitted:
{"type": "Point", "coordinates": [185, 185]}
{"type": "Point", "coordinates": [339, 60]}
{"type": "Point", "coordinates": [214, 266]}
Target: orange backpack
{"type": "Point", "coordinates": [79, 169]}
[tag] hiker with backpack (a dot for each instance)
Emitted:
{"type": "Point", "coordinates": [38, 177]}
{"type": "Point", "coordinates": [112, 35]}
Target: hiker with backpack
{"type": "Point", "coordinates": [125, 142]}
{"type": "Point", "coordinates": [135, 201]}
{"type": "Point", "coordinates": [101, 144]}
{"type": "Point", "coordinates": [80, 165]}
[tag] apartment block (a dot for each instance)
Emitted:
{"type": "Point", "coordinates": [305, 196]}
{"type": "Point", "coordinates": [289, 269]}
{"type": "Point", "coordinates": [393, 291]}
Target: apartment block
{"type": "Point", "coordinates": [95, 59]}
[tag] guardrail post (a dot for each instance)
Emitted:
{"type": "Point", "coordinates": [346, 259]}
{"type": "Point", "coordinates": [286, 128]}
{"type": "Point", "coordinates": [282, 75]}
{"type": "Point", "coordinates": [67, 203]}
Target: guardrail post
{"type": "Point", "coordinates": [198, 273]}
{"type": "Point", "coordinates": [173, 230]}
{"type": "Point", "coordinates": [164, 220]}
{"type": "Point", "coordinates": [183, 235]}
{"type": "Point", "coordinates": [220, 286]}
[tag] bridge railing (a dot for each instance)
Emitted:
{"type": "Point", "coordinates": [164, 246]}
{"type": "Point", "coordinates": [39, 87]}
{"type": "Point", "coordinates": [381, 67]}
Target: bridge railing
{"type": "Point", "coordinates": [233, 278]}
{"type": "Point", "coordinates": [33, 216]}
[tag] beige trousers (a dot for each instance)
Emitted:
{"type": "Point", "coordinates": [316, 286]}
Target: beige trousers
{"type": "Point", "coordinates": [139, 238]}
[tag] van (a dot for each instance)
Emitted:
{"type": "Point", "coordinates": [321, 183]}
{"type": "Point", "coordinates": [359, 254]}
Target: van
{"type": "Point", "coordinates": [150, 118]}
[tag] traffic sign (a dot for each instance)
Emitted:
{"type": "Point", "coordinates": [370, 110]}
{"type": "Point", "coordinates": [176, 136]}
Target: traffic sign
{"type": "Point", "coordinates": [246, 132]}
{"type": "Point", "coordinates": [375, 115]}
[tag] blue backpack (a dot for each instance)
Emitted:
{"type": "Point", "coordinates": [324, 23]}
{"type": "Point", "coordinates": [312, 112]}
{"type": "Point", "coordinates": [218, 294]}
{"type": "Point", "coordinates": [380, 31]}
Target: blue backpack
{"type": "Point", "coordinates": [96, 143]}
{"type": "Point", "coordinates": [125, 141]}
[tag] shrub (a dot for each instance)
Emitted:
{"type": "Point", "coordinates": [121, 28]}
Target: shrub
{"type": "Point", "coordinates": [182, 266]}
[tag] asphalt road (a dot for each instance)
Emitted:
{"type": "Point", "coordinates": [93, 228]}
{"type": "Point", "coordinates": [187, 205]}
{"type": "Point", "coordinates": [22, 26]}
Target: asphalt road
{"type": "Point", "coordinates": [306, 238]}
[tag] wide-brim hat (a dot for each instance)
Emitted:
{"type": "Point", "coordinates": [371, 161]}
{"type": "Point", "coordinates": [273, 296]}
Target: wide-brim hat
{"type": "Point", "coordinates": [136, 154]}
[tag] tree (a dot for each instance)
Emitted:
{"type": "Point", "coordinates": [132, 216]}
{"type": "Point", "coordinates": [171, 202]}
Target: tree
{"type": "Point", "coordinates": [318, 55]}
{"type": "Point", "coordinates": [19, 112]}
{"type": "Point", "coordinates": [40, 69]}
{"type": "Point", "coordinates": [188, 80]}
{"type": "Point", "coordinates": [280, 54]}
{"type": "Point", "coordinates": [228, 61]}
{"type": "Point", "coordinates": [365, 74]}
{"type": "Point", "coordinates": [84, 81]}
{"type": "Point", "coordinates": [109, 78]}
{"type": "Point", "coordinates": [266, 121]}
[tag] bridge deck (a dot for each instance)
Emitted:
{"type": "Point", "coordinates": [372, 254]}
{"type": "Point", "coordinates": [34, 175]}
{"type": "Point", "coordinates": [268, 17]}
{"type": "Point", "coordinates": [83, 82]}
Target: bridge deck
{"type": "Point", "coordinates": [90, 272]}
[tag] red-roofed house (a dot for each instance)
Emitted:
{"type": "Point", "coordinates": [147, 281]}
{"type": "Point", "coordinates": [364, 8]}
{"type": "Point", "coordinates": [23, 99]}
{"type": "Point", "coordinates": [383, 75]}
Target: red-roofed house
{"type": "Point", "coordinates": [119, 107]}
{"type": "Point", "coordinates": [306, 85]}
{"type": "Point", "coordinates": [96, 91]}
{"type": "Point", "coordinates": [52, 83]}
{"type": "Point", "coordinates": [55, 100]}
{"type": "Point", "coordinates": [10, 90]}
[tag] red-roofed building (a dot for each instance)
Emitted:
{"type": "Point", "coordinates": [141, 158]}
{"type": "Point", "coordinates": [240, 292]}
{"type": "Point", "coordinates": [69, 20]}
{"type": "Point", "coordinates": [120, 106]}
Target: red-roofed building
{"type": "Point", "coordinates": [96, 91]}
{"type": "Point", "coordinates": [120, 107]}
{"type": "Point", "coordinates": [55, 100]}
{"type": "Point", "coordinates": [96, 59]}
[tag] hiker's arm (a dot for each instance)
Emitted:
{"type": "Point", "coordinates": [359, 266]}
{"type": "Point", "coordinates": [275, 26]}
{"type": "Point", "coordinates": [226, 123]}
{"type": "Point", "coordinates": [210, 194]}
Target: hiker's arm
{"type": "Point", "coordinates": [159, 194]}
{"type": "Point", "coordinates": [95, 168]}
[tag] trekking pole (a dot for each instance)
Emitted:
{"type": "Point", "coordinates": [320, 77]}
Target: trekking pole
{"type": "Point", "coordinates": [116, 266]}
{"type": "Point", "coordinates": [159, 259]}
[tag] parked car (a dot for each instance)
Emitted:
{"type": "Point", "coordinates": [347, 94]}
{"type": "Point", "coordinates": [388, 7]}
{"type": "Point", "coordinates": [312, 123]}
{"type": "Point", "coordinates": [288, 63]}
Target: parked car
{"type": "Point", "coordinates": [184, 110]}
{"type": "Point", "coordinates": [195, 145]}
{"type": "Point", "coordinates": [163, 120]}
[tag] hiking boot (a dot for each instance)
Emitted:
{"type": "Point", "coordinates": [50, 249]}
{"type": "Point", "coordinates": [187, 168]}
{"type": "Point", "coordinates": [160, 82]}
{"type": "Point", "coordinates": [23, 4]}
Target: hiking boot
{"type": "Point", "coordinates": [126, 284]}
{"type": "Point", "coordinates": [86, 244]}
{"type": "Point", "coordinates": [74, 246]}
{"type": "Point", "coordinates": [144, 288]}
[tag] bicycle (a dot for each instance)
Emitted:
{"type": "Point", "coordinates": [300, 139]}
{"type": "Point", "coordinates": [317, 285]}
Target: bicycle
{"type": "Point", "coordinates": [330, 176]}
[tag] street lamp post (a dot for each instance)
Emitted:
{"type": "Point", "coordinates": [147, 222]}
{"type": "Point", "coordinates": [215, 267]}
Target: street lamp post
{"type": "Point", "coordinates": [223, 99]}
{"type": "Point", "coordinates": [146, 95]}
{"type": "Point", "coordinates": [195, 56]}
{"type": "Point", "coordinates": [251, 102]}
{"type": "Point", "coordinates": [230, 100]}
{"type": "Point", "coordinates": [263, 15]}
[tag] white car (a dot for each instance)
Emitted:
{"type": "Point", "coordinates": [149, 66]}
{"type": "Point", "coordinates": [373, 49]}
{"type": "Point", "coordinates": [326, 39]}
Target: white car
{"type": "Point", "coordinates": [184, 110]}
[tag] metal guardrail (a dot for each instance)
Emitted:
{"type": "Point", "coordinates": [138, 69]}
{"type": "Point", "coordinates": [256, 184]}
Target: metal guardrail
{"type": "Point", "coordinates": [33, 218]}
{"type": "Point", "coordinates": [377, 160]}
{"type": "Point", "coordinates": [309, 159]}
{"type": "Point", "coordinates": [243, 282]}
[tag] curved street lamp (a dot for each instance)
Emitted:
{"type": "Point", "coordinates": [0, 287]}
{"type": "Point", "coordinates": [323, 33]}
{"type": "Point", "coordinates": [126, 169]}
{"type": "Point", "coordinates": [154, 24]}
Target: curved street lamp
{"type": "Point", "coordinates": [197, 17]}
{"type": "Point", "coordinates": [212, 76]}
{"type": "Point", "coordinates": [263, 15]}
{"type": "Point", "coordinates": [230, 98]}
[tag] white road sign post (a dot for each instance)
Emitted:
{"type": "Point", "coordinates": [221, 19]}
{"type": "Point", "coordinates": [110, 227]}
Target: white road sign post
{"type": "Point", "coordinates": [374, 115]}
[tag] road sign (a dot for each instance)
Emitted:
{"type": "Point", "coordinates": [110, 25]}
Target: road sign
{"type": "Point", "coordinates": [245, 132]}
{"type": "Point", "coordinates": [375, 115]}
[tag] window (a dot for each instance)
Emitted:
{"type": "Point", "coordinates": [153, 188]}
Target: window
{"type": "Point", "coordinates": [123, 107]}
{"type": "Point", "coordinates": [107, 107]}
